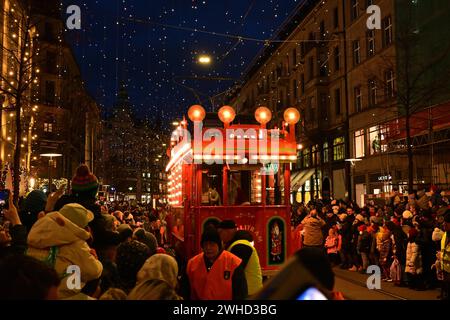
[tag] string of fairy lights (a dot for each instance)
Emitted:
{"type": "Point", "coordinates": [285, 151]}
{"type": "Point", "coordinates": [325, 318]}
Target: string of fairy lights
{"type": "Point", "coordinates": [29, 77]}
{"type": "Point", "coordinates": [118, 44]}
{"type": "Point", "coordinates": [147, 57]}
{"type": "Point", "coordinates": [23, 78]}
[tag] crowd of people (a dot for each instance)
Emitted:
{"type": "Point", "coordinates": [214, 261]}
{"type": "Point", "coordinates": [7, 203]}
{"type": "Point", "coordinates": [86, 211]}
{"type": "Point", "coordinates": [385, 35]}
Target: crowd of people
{"type": "Point", "coordinates": [70, 245]}
{"type": "Point", "coordinates": [405, 237]}
{"type": "Point", "coordinates": [120, 250]}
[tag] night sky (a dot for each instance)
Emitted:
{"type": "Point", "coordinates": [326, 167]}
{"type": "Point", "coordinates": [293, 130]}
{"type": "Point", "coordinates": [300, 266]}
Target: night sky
{"type": "Point", "coordinates": [150, 47]}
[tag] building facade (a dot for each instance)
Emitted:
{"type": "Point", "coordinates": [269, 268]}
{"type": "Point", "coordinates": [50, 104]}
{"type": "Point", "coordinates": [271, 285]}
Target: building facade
{"type": "Point", "coordinates": [58, 115]}
{"type": "Point", "coordinates": [134, 156]}
{"type": "Point", "coordinates": [343, 78]}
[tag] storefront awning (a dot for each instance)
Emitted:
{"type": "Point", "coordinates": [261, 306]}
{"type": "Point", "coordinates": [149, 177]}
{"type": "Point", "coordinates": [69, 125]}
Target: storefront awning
{"type": "Point", "coordinates": [300, 178]}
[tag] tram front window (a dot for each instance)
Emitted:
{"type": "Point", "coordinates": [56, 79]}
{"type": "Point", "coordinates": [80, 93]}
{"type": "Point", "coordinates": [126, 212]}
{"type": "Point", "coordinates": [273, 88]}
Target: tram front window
{"type": "Point", "coordinates": [244, 186]}
{"type": "Point", "coordinates": [212, 186]}
{"type": "Point", "coordinates": [239, 187]}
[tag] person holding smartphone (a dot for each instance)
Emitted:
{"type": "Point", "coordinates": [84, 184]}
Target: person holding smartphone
{"type": "Point", "coordinates": [13, 235]}
{"type": "Point", "coordinates": [313, 235]}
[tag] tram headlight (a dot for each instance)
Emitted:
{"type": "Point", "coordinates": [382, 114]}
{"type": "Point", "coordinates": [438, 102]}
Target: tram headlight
{"type": "Point", "coordinates": [196, 113]}
{"type": "Point", "coordinates": [226, 114]}
{"type": "Point", "coordinates": [291, 115]}
{"type": "Point", "coordinates": [263, 115]}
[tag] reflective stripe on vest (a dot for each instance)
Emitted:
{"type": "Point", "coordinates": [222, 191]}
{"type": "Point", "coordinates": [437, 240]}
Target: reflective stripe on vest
{"type": "Point", "coordinates": [253, 273]}
{"type": "Point", "coordinates": [215, 284]}
{"type": "Point", "coordinates": [445, 254]}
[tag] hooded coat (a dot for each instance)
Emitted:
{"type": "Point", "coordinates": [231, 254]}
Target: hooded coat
{"type": "Point", "coordinates": [61, 243]}
{"type": "Point", "coordinates": [157, 279]}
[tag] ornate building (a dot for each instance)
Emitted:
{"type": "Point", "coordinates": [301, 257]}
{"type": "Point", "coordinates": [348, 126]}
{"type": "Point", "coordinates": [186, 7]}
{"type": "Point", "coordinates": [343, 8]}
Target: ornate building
{"type": "Point", "coordinates": [134, 155]}
{"type": "Point", "coordinates": [350, 86]}
{"type": "Point", "coordinates": [57, 114]}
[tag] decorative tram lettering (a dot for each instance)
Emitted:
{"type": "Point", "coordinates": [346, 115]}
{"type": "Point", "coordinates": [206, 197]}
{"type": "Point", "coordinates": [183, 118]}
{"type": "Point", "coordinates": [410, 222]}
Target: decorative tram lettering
{"type": "Point", "coordinates": [238, 146]}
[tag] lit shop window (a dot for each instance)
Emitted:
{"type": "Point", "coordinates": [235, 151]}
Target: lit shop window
{"type": "Point", "coordinates": [326, 153]}
{"type": "Point", "coordinates": [339, 148]}
{"type": "Point", "coordinates": [359, 144]}
{"type": "Point", "coordinates": [48, 127]}
{"type": "Point", "coordinates": [377, 139]}
{"type": "Point", "coordinates": [306, 158]}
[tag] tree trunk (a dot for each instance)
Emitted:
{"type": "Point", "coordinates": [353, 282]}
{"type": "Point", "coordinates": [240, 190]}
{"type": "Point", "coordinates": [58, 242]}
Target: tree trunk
{"type": "Point", "coordinates": [17, 153]}
{"type": "Point", "coordinates": [409, 149]}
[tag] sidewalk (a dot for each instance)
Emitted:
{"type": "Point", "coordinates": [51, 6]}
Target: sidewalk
{"type": "Point", "coordinates": [353, 286]}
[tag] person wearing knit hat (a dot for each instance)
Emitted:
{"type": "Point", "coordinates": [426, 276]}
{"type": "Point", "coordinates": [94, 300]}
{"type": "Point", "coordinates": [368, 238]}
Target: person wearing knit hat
{"type": "Point", "coordinates": [84, 183]}
{"type": "Point", "coordinates": [342, 217]}
{"type": "Point", "coordinates": [125, 232]}
{"type": "Point", "coordinates": [146, 238]}
{"type": "Point", "coordinates": [211, 235]}
{"type": "Point", "coordinates": [407, 215]}
{"type": "Point", "coordinates": [131, 256]}
{"type": "Point", "coordinates": [362, 228]}
{"type": "Point", "coordinates": [214, 274]}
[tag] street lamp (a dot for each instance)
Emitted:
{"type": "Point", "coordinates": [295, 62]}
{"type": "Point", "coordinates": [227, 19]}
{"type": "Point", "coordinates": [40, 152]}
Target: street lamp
{"type": "Point", "coordinates": [204, 59]}
{"type": "Point", "coordinates": [50, 157]}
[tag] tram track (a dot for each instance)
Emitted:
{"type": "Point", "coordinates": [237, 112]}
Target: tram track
{"type": "Point", "coordinates": [358, 283]}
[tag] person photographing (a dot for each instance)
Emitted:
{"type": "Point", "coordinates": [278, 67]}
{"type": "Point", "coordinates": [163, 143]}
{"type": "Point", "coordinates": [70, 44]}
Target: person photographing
{"type": "Point", "coordinates": [312, 226]}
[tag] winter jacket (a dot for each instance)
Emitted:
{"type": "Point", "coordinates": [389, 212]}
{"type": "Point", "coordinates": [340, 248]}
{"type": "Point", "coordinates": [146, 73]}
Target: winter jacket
{"type": "Point", "coordinates": [346, 233]}
{"type": "Point", "coordinates": [18, 244]}
{"type": "Point", "coordinates": [399, 244]}
{"type": "Point", "coordinates": [422, 203]}
{"type": "Point", "coordinates": [364, 242]}
{"type": "Point", "coordinates": [97, 226]}
{"type": "Point", "coordinates": [332, 243]}
{"type": "Point", "coordinates": [60, 243]}
{"type": "Point", "coordinates": [436, 199]}
{"type": "Point", "coordinates": [413, 259]}
{"type": "Point", "coordinates": [312, 227]}
{"type": "Point", "coordinates": [383, 246]}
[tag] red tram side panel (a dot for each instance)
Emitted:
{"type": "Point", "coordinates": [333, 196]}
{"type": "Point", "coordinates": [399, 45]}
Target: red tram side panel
{"type": "Point", "coordinates": [255, 194]}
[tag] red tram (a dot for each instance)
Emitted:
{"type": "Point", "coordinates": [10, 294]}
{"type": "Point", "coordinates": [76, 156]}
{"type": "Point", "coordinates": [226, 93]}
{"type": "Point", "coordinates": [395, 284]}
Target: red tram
{"type": "Point", "coordinates": [233, 171]}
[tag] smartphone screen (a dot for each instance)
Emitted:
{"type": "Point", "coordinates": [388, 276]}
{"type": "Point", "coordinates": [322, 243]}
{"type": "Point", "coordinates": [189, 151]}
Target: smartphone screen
{"type": "Point", "coordinates": [4, 197]}
{"type": "Point", "coordinates": [311, 294]}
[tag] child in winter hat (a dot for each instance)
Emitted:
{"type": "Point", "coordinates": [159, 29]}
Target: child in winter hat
{"type": "Point", "coordinates": [84, 183]}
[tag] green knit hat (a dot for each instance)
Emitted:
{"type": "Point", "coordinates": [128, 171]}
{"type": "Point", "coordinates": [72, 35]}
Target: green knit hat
{"type": "Point", "coordinates": [84, 182]}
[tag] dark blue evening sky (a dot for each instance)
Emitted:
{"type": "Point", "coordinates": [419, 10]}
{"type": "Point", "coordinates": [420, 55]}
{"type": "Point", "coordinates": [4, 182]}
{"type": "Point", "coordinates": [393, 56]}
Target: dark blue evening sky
{"type": "Point", "coordinates": [127, 41]}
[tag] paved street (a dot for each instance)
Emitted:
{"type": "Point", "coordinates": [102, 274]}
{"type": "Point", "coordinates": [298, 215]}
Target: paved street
{"type": "Point", "coordinates": [353, 286]}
